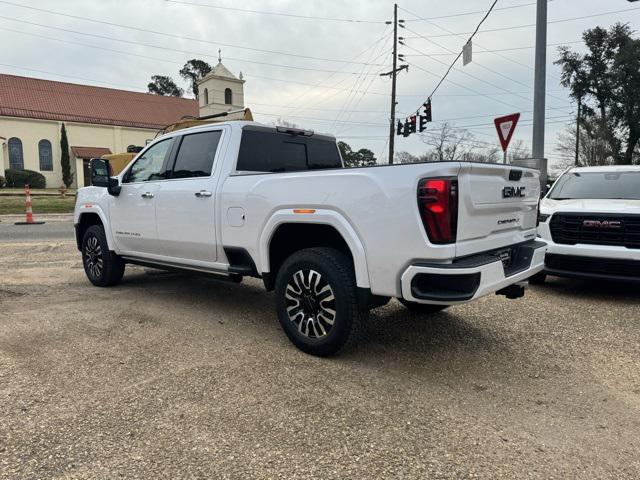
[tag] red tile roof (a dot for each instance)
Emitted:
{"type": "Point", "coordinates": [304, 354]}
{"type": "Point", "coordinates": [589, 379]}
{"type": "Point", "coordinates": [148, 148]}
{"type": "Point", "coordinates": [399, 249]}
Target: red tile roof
{"type": "Point", "coordinates": [48, 100]}
{"type": "Point", "coordinates": [90, 152]}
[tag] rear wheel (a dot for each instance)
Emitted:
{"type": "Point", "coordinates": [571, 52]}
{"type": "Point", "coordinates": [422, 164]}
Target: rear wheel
{"type": "Point", "coordinates": [317, 302]}
{"type": "Point", "coordinates": [422, 307]}
{"type": "Point", "coordinates": [103, 267]}
{"type": "Point", "coordinates": [538, 278]}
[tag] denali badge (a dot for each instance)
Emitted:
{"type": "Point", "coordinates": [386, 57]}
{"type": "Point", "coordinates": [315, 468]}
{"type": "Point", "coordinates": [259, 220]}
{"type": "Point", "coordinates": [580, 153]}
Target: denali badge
{"type": "Point", "coordinates": [604, 224]}
{"type": "Point", "coordinates": [511, 192]}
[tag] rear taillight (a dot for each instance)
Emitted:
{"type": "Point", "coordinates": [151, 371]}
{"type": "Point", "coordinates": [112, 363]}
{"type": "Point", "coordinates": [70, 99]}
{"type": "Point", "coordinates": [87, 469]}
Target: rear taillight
{"type": "Point", "coordinates": [438, 204]}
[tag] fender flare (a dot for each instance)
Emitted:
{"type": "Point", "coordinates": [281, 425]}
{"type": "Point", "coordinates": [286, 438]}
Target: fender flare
{"type": "Point", "coordinates": [95, 209]}
{"type": "Point", "coordinates": [321, 217]}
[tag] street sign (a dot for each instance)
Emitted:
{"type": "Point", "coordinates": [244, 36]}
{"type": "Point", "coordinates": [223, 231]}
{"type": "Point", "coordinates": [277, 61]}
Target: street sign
{"type": "Point", "coordinates": [467, 53]}
{"type": "Point", "coordinates": [506, 126]}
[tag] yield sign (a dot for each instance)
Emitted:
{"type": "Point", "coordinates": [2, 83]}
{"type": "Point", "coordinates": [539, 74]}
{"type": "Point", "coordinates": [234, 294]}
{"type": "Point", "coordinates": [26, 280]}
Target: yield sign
{"type": "Point", "coordinates": [506, 126]}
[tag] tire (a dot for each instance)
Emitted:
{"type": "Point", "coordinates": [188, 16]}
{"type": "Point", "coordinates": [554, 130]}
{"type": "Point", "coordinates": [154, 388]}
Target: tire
{"type": "Point", "coordinates": [102, 266]}
{"type": "Point", "coordinates": [424, 308]}
{"type": "Point", "coordinates": [538, 279]}
{"type": "Point", "coordinates": [317, 301]}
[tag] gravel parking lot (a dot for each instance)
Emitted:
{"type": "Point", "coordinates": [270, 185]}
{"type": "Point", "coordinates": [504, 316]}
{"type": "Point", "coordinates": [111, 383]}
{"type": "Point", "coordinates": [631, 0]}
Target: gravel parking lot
{"type": "Point", "coordinates": [172, 376]}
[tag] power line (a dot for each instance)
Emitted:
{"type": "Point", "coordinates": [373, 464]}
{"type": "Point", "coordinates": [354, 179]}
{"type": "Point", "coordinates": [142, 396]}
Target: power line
{"type": "Point", "coordinates": [170, 35]}
{"type": "Point", "coordinates": [371, 47]}
{"type": "Point", "coordinates": [460, 54]}
{"type": "Point", "coordinates": [493, 51]}
{"type": "Point", "coordinates": [484, 67]}
{"type": "Point", "coordinates": [500, 29]}
{"type": "Point", "coordinates": [465, 88]}
{"type": "Point", "coordinates": [281, 14]}
{"type": "Point", "coordinates": [187, 52]}
{"type": "Point", "coordinates": [159, 59]}
{"type": "Point", "coordinates": [471, 13]}
{"type": "Point", "coordinates": [478, 78]}
{"type": "Point", "coordinates": [504, 57]}
{"type": "Point", "coordinates": [72, 77]}
{"type": "Point", "coordinates": [165, 60]}
{"type": "Point", "coordinates": [256, 103]}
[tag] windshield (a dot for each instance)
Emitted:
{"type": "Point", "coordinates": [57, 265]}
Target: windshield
{"type": "Point", "coordinates": [598, 185]}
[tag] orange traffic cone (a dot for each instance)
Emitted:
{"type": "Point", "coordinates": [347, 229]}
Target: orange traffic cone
{"type": "Point", "coordinates": [27, 193]}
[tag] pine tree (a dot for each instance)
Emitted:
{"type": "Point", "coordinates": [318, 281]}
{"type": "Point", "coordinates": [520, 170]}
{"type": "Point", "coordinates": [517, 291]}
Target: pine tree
{"type": "Point", "coordinates": [67, 176]}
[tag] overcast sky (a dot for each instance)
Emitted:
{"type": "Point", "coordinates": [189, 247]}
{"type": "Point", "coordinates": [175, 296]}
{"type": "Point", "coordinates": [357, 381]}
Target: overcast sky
{"type": "Point", "coordinates": [324, 93]}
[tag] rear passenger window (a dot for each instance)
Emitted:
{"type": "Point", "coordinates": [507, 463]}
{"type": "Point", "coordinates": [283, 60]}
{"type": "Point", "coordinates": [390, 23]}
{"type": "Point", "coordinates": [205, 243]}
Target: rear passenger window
{"type": "Point", "coordinates": [196, 155]}
{"type": "Point", "coordinates": [266, 151]}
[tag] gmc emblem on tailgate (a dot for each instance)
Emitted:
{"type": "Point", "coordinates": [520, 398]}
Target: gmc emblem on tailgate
{"type": "Point", "coordinates": [512, 192]}
{"type": "Point", "coordinates": [603, 224]}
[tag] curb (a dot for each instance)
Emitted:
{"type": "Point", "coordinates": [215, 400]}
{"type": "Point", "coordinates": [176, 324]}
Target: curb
{"type": "Point", "coordinates": [47, 217]}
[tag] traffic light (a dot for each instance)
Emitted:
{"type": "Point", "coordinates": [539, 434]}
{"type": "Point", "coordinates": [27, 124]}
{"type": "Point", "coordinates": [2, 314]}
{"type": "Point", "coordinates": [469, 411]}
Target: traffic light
{"type": "Point", "coordinates": [427, 110]}
{"type": "Point", "coordinates": [423, 123]}
{"type": "Point", "coordinates": [412, 124]}
{"type": "Point", "coordinates": [399, 130]}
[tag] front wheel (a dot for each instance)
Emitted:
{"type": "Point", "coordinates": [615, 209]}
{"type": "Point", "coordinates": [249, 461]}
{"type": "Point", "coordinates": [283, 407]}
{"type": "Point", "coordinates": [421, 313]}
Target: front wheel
{"type": "Point", "coordinates": [317, 302]}
{"type": "Point", "coordinates": [424, 308]}
{"type": "Point", "coordinates": [103, 267]}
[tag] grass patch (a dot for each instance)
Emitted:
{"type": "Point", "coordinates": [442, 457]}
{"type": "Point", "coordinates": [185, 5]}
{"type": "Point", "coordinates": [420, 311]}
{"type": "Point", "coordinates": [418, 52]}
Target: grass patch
{"type": "Point", "coordinates": [41, 204]}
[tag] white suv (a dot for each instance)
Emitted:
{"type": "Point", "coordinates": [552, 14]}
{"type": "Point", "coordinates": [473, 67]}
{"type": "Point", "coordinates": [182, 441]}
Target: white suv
{"type": "Point", "coordinates": [590, 220]}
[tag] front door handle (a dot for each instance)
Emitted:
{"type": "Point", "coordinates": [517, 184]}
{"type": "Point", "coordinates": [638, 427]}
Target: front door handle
{"type": "Point", "coordinates": [203, 193]}
{"type": "Point", "coordinates": [147, 195]}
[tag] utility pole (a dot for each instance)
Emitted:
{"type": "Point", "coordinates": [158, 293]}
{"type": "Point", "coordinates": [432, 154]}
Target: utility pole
{"type": "Point", "coordinates": [577, 162]}
{"type": "Point", "coordinates": [540, 80]}
{"type": "Point", "coordinates": [393, 73]}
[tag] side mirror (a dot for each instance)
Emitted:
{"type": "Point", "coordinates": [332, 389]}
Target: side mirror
{"type": "Point", "coordinates": [101, 176]}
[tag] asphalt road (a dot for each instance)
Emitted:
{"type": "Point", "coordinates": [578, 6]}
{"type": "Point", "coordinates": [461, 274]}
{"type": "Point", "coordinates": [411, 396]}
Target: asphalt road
{"type": "Point", "coordinates": [170, 376]}
{"type": "Point", "coordinates": [52, 230]}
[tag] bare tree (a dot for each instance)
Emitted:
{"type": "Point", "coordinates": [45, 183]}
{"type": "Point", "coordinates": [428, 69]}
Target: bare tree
{"type": "Point", "coordinates": [594, 148]}
{"type": "Point", "coordinates": [406, 157]}
{"type": "Point", "coordinates": [518, 150]}
{"type": "Point", "coordinates": [449, 143]}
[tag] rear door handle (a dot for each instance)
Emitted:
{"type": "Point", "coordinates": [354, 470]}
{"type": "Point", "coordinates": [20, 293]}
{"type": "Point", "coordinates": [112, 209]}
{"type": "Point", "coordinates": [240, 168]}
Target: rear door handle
{"type": "Point", "coordinates": [147, 195]}
{"type": "Point", "coordinates": [203, 193]}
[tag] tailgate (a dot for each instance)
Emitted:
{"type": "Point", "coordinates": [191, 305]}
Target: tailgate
{"type": "Point", "coordinates": [498, 206]}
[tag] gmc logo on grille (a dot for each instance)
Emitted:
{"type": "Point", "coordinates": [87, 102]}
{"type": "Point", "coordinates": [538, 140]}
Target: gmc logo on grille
{"type": "Point", "coordinates": [602, 224]}
{"type": "Point", "coordinates": [511, 192]}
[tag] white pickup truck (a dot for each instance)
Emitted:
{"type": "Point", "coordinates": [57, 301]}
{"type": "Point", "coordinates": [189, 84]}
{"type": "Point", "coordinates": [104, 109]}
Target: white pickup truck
{"type": "Point", "coordinates": [244, 199]}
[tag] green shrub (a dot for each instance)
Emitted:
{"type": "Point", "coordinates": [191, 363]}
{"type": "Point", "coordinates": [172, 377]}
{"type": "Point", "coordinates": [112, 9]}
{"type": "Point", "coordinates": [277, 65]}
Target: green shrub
{"type": "Point", "coordinates": [3, 182]}
{"type": "Point", "coordinates": [18, 178]}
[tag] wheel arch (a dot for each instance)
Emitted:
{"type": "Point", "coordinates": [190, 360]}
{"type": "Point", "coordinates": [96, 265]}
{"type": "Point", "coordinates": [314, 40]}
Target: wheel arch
{"type": "Point", "coordinates": [88, 219]}
{"type": "Point", "coordinates": [287, 233]}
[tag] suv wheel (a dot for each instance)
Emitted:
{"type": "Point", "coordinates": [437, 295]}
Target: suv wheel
{"type": "Point", "coordinates": [424, 308]}
{"type": "Point", "coordinates": [317, 302]}
{"type": "Point", "coordinates": [103, 267]}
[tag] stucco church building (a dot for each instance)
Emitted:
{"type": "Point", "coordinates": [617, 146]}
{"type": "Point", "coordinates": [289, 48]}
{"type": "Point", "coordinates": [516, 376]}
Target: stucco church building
{"type": "Point", "coordinates": [97, 120]}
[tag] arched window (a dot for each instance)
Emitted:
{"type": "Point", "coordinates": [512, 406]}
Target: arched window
{"type": "Point", "coordinates": [16, 159]}
{"type": "Point", "coordinates": [46, 155]}
{"type": "Point", "coordinates": [206, 96]}
{"type": "Point", "coordinates": [228, 96]}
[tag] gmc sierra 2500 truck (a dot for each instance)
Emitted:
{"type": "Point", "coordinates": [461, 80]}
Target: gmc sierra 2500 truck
{"type": "Point", "coordinates": [244, 199]}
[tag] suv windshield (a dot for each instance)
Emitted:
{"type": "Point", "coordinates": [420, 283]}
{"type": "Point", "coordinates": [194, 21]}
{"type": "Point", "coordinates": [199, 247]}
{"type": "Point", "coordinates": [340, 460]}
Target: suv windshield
{"type": "Point", "coordinates": [598, 185]}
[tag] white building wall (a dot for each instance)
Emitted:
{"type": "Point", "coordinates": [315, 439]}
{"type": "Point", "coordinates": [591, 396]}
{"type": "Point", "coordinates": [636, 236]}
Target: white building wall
{"type": "Point", "coordinates": [31, 131]}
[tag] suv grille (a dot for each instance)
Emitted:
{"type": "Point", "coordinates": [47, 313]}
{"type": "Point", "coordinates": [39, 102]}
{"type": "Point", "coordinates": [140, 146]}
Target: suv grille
{"type": "Point", "coordinates": [596, 229]}
{"type": "Point", "coordinates": [593, 265]}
